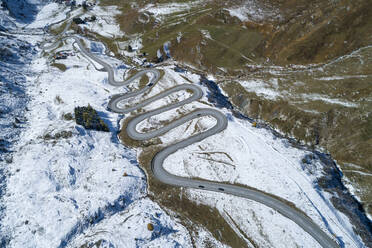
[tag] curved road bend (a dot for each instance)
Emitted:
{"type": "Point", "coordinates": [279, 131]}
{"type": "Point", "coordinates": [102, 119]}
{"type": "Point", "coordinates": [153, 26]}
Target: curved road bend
{"type": "Point", "coordinates": [157, 162]}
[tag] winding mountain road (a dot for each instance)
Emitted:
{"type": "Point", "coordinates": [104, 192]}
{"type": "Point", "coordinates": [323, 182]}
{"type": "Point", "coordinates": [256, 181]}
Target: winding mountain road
{"type": "Point", "coordinates": [157, 162]}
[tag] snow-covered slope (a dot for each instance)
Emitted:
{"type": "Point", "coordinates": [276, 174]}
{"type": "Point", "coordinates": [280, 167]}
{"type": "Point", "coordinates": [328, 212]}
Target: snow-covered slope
{"type": "Point", "coordinates": [24, 11]}
{"type": "Point", "coordinates": [58, 188]}
{"type": "Point", "coordinates": [65, 185]}
{"type": "Point", "coordinates": [69, 187]}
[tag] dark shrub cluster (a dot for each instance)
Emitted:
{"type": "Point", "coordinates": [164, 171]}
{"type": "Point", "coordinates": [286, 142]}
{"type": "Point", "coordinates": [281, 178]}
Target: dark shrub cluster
{"type": "Point", "coordinates": [60, 135]}
{"type": "Point", "coordinates": [89, 119]}
{"type": "Point", "coordinates": [68, 117]}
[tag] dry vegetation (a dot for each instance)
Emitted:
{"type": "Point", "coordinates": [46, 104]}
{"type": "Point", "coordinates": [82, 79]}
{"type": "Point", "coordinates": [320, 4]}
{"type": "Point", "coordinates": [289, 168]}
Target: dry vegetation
{"type": "Point", "coordinates": [304, 32]}
{"type": "Point", "coordinates": [61, 67]}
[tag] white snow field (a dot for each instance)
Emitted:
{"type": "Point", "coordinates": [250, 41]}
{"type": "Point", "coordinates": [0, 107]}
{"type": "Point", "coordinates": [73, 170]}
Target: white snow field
{"type": "Point", "coordinates": [88, 189]}
{"type": "Point", "coordinates": [59, 189]}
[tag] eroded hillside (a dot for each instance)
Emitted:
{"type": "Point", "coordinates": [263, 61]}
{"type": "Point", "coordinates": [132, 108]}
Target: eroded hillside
{"type": "Point", "coordinates": [304, 67]}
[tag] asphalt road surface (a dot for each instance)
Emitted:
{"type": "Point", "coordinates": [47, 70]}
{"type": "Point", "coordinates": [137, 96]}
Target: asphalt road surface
{"type": "Point", "coordinates": [116, 105]}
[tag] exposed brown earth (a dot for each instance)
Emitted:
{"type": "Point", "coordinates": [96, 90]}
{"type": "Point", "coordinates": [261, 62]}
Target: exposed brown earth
{"type": "Point", "coordinates": [305, 33]}
{"type": "Point", "coordinates": [306, 43]}
{"type": "Point", "coordinates": [316, 31]}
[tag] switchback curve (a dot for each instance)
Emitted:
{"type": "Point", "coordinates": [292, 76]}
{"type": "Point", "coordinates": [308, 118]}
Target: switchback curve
{"type": "Point", "coordinates": [157, 162]}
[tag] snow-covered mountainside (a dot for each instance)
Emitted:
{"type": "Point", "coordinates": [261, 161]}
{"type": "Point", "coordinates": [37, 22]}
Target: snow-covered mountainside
{"type": "Point", "coordinates": [15, 56]}
{"type": "Point", "coordinates": [55, 190]}
{"type": "Point", "coordinates": [24, 11]}
{"type": "Point", "coordinates": [65, 186]}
